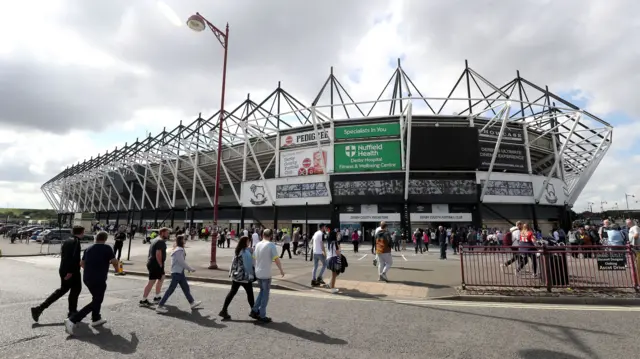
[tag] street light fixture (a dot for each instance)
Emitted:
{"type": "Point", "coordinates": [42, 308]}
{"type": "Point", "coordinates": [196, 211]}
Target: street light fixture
{"type": "Point", "coordinates": [601, 205]}
{"type": "Point", "coordinates": [590, 204]}
{"type": "Point", "coordinates": [198, 23]}
{"type": "Point", "coordinates": [626, 198]}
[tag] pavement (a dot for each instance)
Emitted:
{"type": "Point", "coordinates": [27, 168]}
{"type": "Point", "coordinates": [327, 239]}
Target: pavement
{"type": "Point", "coordinates": [418, 276]}
{"type": "Point", "coordinates": [412, 276]}
{"type": "Point", "coordinates": [308, 324]}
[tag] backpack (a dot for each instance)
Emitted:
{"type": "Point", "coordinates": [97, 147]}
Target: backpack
{"type": "Point", "coordinates": [237, 272]}
{"type": "Point", "coordinates": [562, 235]}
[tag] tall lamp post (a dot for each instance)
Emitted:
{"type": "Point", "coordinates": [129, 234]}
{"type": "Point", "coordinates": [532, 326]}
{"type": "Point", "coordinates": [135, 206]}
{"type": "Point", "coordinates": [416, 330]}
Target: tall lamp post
{"type": "Point", "coordinates": [601, 205]}
{"type": "Point", "coordinates": [590, 206]}
{"type": "Point", "coordinates": [198, 23]}
{"type": "Point", "coordinates": [626, 198]}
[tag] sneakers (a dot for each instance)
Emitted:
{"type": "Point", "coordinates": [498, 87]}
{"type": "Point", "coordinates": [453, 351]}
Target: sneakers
{"type": "Point", "coordinates": [224, 315]}
{"type": "Point", "coordinates": [97, 323]}
{"type": "Point", "coordinates": [314, 283]}
{"type": "Point", "coordinates": [68, 326]}
{"type": "Point", "coordinates": [384, 277]}
{"type": "Point", "coordinates": [264, 320]}
{"type": "Point", "coordinates": [320, 281]}
{"type": "Point", "coordinates": [161, 309]}
{"type": "Point", "coordinates": [145, 303]}
{"type": "Point", "coordinates": [254, 315]}
{"type": "Point", "coordinates": [195, 304]}
{"type": "Point", "coordinates": [335, 291]}
{"type": "Point", "coordinates": [157, 299]}
{"type": "Point", "coordinates": [35, 314]}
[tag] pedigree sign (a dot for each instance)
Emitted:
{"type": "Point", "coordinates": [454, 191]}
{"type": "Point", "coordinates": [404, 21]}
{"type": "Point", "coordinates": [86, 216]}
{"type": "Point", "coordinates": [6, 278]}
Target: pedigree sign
{"type": "Point", "coordinates": [304, 138]}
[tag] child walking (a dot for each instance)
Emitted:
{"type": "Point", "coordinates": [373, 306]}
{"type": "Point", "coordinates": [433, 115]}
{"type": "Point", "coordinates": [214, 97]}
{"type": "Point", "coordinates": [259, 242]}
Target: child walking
{"type": "Point", "coordinates": [178, 266]}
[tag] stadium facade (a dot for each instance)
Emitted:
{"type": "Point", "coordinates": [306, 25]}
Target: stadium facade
{"type": "Point", "coordinates": [483, 155]}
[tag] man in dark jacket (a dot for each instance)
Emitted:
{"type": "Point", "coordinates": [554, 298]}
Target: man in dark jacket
{"type": "Point", "coordinates": [442, 240]}
{"type": "Point", "coordinates": [70, 280]}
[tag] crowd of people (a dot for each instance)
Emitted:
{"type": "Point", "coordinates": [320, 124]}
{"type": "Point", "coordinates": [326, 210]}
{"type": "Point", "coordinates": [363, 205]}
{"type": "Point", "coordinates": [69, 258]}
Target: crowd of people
{"type": "Point", "coordinates": [252, 262]}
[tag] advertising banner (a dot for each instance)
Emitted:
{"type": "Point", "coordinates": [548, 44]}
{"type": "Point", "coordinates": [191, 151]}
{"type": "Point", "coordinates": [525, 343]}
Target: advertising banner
{"type": "Point", "coordinates": [512, 158]}
{"type": "Point", "coordinates": [513, 135]}
{"type": "Point", "coordinates": [306, 161]}
{"type": "Point", "coordinates": [367, 156]}
{"type": "Point", "coordinates": [304, 138]}
{"type": "Point", "coordinates": [523, 188]}
{"type": "Point", "coordinates": [368, 131]}
{"type": "Point", "coordinates": [292, 191]}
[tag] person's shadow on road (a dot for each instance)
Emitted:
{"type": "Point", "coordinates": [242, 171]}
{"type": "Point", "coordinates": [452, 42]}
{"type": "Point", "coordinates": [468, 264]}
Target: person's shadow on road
{"type": "Point", "coordinates": [319, 337]}
{"type": "Point", "coordinates": [193, 316]}
{"type": "Point", "coordinates": [105, 339]}
{"type": "Point", "coordinates": [543, 353]}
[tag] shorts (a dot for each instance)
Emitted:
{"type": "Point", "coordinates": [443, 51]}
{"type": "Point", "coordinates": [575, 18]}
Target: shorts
{"type": "Point", "coordinates": [155, 271]}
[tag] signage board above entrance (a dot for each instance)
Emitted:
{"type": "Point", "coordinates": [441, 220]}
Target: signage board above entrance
{"type": "Point", "coordinates": [304, 138]}
{"type": "Point", "coordinates": [367, 156]}
{"type": "Point", "coordinates": [364, 217]}
{"type": "Point", "coordinates": [440, 217]}
{"type": "Point", "coordinates": [368, 131]}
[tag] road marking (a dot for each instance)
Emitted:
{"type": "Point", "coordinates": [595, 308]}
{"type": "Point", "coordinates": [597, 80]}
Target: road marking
{"type": "Point", "coordinates": [502, 305]}
{"type": "Point", "coordinates": [361, 258]}
{"type": "Point", "coordinates": [405, 258]}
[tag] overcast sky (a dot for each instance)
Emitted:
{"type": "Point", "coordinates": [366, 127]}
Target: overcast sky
{"type": "Point", "coordinates": [81, 77]}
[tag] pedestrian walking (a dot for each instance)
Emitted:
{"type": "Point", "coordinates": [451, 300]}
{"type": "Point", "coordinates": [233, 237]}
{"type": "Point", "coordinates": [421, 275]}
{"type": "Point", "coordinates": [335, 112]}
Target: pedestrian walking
{"type": "Point", "coordinates": [264, 253]}
{"type": "Point", "coordinates": [417, 240]}
{"type": "Point", "coordinates": [296, 240]}
{"type": "Point", "coordinates": [155, 265]}
{"type": "Point", "coordinates": [425, 239]}
{"type": "Point", "coordinates": [319, 256]}
{"type": "Point", "coordinates": [119, 243]}
{"type": "Point", "coordinates": [95, 261]}
{"type": "Point", "coordinates": [395, 238]}
{"type": "Point", "coordinates": [442, 241]}
{"type": "Point", "coordinates": [70, 278]}
{"type": "Point", "coordinates": [355, 239]}
{"type": "Point", "coordinates": [286, 244]}
{"type": "Point", "coordinates": [178, 266]}
{"type": "Point", "coordinates": [527, 249]}
{"type": "Point", "coordinates": [383, 252]}
{"type": "Point", "coordinates": [335, 262]}
{"type": "Point", "coordinates": [242, 275]}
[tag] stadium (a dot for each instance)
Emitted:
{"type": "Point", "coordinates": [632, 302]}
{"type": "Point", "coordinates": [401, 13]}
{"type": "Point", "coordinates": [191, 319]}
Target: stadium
{"type": "Point", "coordinates": [481, 155]}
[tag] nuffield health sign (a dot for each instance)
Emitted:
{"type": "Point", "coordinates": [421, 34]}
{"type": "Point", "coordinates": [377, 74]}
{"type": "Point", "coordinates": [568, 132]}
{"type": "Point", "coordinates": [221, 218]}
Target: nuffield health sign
{"type": "Point", "coordinates": [367, 156]}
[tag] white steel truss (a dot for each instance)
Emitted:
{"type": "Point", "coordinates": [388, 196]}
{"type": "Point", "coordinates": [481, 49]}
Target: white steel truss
{"type": "Point", "coordinates": [176, 169]}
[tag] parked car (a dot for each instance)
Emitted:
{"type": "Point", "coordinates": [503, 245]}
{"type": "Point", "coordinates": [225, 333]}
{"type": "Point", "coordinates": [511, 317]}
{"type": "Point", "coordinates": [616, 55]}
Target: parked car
{"type": "Point", "coordinates": [34, 235]}
{"type": "Point", "coordinates": [56, 234]}
{"type": "Point", "coordinates": [7, 228]}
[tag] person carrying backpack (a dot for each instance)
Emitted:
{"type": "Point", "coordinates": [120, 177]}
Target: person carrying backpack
{"type": "Point", "coordinates": [241, 274]}
{"type": "Point", "coordinates": [562, 236]}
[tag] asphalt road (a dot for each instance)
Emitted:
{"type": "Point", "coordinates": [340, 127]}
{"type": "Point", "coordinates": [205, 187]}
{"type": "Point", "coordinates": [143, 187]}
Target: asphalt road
{"type": "Point", "coordinates": [305, 326]}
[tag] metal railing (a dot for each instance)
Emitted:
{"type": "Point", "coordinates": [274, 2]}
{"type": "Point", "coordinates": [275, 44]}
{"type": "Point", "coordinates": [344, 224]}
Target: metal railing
{"type": "Point", "coordinates": [550, 267]}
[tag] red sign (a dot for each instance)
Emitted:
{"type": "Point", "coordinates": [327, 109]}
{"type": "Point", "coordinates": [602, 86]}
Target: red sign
{"type": "Point", "coordinates": [288, 141]}
{"type": "Point", "coordinates": [306, 163]}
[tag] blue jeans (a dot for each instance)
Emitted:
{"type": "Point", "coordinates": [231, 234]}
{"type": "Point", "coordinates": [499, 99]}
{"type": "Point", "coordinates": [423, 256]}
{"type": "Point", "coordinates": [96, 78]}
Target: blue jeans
{"type": "Point", "coordinates": [177, 279]}
{"type": "Point", "coordinates": [318, 258]}
{"type": "Point", "coordinates": [260, 306]}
